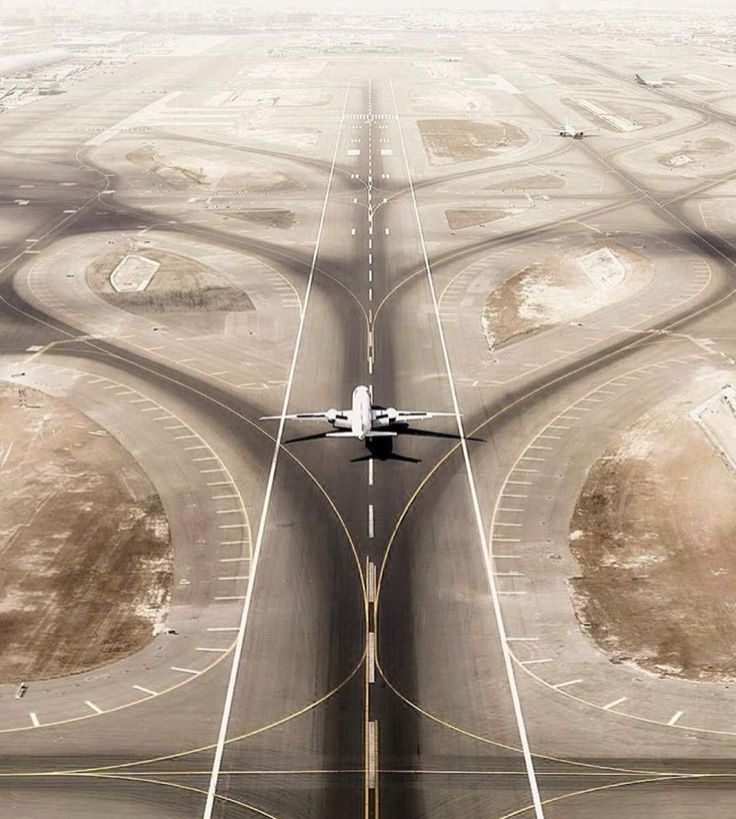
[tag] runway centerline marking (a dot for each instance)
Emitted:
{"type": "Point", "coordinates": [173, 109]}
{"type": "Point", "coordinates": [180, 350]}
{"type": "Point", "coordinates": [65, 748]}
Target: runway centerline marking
{"type": "Point", "coordinates": [238, 650]}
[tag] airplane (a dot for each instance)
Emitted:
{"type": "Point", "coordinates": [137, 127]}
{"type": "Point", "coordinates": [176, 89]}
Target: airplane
{"type": "Point", "coordinates": [363, 420]}
{"type": "Point", "coordinates": [652, 83]}
{"type": "Point", "coordinates": [568, 130]}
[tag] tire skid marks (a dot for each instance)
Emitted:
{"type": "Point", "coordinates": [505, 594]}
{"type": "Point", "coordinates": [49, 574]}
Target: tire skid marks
{"type": "Point", "coordinates": [176, 349]}
{"type": "Point", "coordinates": [233, 551]}
{"type": "Point", "coordinates": [510, 504]}
{"type": "Point", "coordinates": [577, 332]}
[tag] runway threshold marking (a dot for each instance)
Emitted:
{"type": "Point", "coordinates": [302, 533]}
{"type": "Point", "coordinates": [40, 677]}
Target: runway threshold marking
{"type": "Point", "coordinates": [238, 650]}
{"type": "Point", "coordinates": [483, 540]}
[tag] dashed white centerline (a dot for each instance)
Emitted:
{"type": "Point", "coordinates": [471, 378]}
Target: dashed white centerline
{"type": "Point", "coordinates": [370, 520]}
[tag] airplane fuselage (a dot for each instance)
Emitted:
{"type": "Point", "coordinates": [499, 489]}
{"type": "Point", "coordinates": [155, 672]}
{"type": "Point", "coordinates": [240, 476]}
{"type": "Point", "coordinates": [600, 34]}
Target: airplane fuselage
{"type": "Point", "coordinates": [362, 412]}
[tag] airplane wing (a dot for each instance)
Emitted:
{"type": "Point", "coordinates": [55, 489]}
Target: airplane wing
{"type": "Point", "coordinates": [327, 415]}
{"type": "Point", "coordinates": [410, 415]}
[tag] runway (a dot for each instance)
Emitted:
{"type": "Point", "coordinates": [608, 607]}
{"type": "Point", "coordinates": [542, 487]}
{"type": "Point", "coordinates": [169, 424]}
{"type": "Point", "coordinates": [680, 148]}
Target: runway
{"type": "Point", "coordinates": [360, 632]}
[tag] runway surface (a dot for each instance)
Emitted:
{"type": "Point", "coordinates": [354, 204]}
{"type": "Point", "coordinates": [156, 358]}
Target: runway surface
{"type": "Point", "coordinates": [362, 633]}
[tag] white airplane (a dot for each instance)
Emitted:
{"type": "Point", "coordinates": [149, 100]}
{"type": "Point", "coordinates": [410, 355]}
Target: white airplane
{"type": "Point", "coordinates": [568, 130]}
{"type": "Point", "coordinates": [571, 131]}
{"type": "Point", "coordinates": [363, 420]}
{"type": "Point", "coordinates": [652, 83]}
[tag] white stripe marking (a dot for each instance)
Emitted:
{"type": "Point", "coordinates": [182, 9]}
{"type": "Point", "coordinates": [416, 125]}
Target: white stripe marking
{"type": "Point", "coordinates": [508, 663]}
{"type": "Point", "coordinates": [237, 653]}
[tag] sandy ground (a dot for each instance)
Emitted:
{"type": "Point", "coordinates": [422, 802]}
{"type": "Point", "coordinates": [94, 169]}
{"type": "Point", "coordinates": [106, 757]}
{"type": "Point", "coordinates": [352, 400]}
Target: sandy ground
{"type": "Point", "coordinates": [201, 170]}
{"type": "Point", "coordinates": [459, 218]}
{"type": "Point", "coordinates": [460, 140]}
{"type": "Point", "coordinates": [78, 589]}
{"type": "Point", "coordinates": [560, 289]}
{"type": "Point", "coordinates": [657, 567]}
{"type": "Point", "coordinates": [642, 115]}
{"type": "Point", "coordinates": [694, 151]}
{"type": "Point", "coordinates": [539, 182]}
{"type": "Point", "coordinates": [266, 217]}
{"type": "Point", "coordinates": [296, 137]}
{"type": "Point", "coordinates": [180, 285]}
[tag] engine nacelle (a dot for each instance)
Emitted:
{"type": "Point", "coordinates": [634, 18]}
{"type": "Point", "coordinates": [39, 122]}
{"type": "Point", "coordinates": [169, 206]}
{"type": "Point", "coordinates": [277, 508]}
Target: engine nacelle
{"type": "Point", "coordinates": [392, 414]}
{"type": "Point", "coordinates": [331, 415]}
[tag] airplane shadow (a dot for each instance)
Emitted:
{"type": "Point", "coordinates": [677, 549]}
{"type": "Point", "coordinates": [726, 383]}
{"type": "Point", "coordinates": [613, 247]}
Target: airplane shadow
{"type": "Point", "coordinates": [382, 449]}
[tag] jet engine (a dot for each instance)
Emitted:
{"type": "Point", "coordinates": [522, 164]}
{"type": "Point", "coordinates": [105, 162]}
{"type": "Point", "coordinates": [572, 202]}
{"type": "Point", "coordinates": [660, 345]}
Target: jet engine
{"type": "Point", "coordinates": [331, 415]}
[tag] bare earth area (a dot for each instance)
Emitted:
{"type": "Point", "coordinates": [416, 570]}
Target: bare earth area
{"type": "Point", "coordinates": [462, 140]}
{"type": "Point", "coordinates": [180, 285]}
{"type": "Point", "coordinates": [657, 566]}
{"type": "Point", "coordinates": [540, 182]}
{"type": "Point", "coordinates": [266, 217]}
{"type": "Point", "coordinates": [619, 109]}
{"type": "Point", "coordinates": [459, 218]}
{"type": "Point", "coordinates": [194, 168]}
{"type": "Point", "coordinates": [697, 151]}
{"type": "Point", "coordinates": [84, 543]}
{"type": "Point", "coordinates": [562, 288]}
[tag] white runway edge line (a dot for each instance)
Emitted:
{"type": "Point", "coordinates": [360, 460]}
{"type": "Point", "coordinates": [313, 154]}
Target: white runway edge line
{"type": "Point", "coordinates": [237, 653]}
{"type": "Point", "coordinates": [508, 663]}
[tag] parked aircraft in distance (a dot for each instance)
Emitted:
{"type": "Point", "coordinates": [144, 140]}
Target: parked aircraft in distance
{"type": "Point", "coordinates": [364, 419]}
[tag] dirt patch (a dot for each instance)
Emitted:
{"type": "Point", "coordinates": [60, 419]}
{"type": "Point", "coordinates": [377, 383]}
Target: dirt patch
{"type": "Point", "coordinates": [541, 182]}
{"type": "Point", "coordinates": [267, 217]}
{"type": "Point", "coordinates": [641, 114]}
{"type": "Point", "coordinates": [202, 167]}
{"type": "Point", "coordinates": [560, 289]}
{"type": "Point", "coordinates": [84, 543]}
{"type": "Point", "coordinates": [180, 285]}
{"type": "Point", "coordinates": [461, 140]}
{"type": "Point", "coordinates": [459, 218]}
{"type": "Point", "coordinates": [657, 565]}
{"type": "Point", "coordinates": [698, 150]}
{"type": "Point", "coordinates": [626, 112]}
